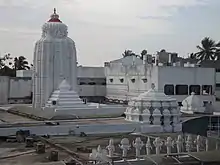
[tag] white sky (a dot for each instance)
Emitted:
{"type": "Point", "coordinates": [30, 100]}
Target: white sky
{"type": "Point", "coordinates": [103, 29]}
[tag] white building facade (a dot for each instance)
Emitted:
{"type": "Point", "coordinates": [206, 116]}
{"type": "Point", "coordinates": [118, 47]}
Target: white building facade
{"type": "Point", "coordinates": [131, 76]}
{"type": "Point", "coordinates": [91, 83]}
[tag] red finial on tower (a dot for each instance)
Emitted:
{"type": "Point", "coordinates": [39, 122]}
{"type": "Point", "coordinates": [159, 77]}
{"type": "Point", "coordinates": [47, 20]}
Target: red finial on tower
{"type": "Point", "coordinates": [54, 17]}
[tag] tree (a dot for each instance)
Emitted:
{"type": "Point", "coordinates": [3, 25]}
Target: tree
{"type": "Point", "coordinates": [217, 53]}
{"type": "Point", "coordinates": [162, 50]}
{"type": "Point", "coordinates": [143, 53]}
{"type": "Point", "coordinates": [128, 53]}
{"type": "Point", "coordinates": [5, 69]}
{"type": "Point", "coordinates": [192, 56]}
{"type": "Point", "coordinates": [207, 50]}
{"type": "Point", "coordinates": [4, 59]}
{"type": "Point", "coordinates": [20, 63]}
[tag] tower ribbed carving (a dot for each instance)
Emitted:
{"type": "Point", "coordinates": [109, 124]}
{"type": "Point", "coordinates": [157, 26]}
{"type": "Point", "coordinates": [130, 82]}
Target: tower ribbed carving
{"type": "Point", "coordinates": [54, 60]}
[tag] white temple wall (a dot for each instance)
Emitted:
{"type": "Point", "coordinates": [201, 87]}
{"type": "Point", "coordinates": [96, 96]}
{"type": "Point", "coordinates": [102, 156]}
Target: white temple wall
{"type": "Point", "coordinates": [159, 75]}
{"type": "Point", "coordinates": [24, 73]}
{"type": "Point", "coordinates": [91, 81]}
{"type": "Point", "coordinates": [14, 89]}
{"type": "Point", "coordinates": [217, 77]}
{"type": "Point", "coordinates": [90, 72]}
{"type": "Point", "coordinates": [92, 90]}
{"type": "Point", "coordinates": [187, 76]}
{"type": "Point", "coordinates": [217, 89]}
{"type": "Point", "coordinates": [4, 89]}
{"type": "Point", "coordinates": [86, 75]}
{"type": "Point", "coordinates": [133, 77]}
{"type": "Point", "coordinates": [136, 83]}
{"type": "Point", "coordinates": [82, 72]}
{"type": "Point", "coordinates": [20, 88]}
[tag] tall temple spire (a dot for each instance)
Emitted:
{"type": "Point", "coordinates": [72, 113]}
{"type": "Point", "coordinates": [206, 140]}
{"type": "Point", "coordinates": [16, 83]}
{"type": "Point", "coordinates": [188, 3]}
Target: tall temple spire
{"type": "Point", "coordinates": [54, 17]}
{"type": "Point", "coordinates": [47, 74]}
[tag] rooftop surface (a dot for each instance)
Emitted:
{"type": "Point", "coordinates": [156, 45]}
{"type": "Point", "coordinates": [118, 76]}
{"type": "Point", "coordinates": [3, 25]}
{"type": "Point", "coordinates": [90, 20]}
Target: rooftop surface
{"type": "Point", "coordinates": [16, 115]}
{"type": "Point", "coordinates": [14, 153]}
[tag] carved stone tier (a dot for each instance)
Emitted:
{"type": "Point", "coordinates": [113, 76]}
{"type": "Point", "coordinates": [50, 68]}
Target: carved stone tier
{"type": "Point", "coordinates": [64, 98]}
{"type": "Point", "coordinates": [155, 109]}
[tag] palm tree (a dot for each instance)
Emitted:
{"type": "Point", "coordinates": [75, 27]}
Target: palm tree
{"type": "Point", "coordinates": [4, 60]}
{"type": "Point", "coordinates": [20, 63]}
{"type": "Point", "coordinates": [143, 53]}
{"type": "Point", "coordinates": [5, 69]}
{"type": "Point", "coordinates": [207, 50]}
{"type": "Point", "coordinates": [192, 56]}
{"type": "Point", "coordinates": [128, 53]}
{"type": "Point", "coordinates": [217, 53]}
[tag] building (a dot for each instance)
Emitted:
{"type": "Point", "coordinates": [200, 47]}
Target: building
{"type": "Point", "coordinates": [124, 78]}
{"type": "Point", "coordinates": [24, 73]}
{"type": "Point", "coordinates": [91, 83]}
{"type": "Point", "coordinates": [164, 56]}
{"type": "Point", "coordinates": [152, 132]}
{"type": "Point", "coordinates": [54, 60]}
{"type": "Point", "coordinates": [15, 90]}
{"type": "Point", "coordinates": [130, 76]}
{"type": "Point", "coordinates": [216, 65]}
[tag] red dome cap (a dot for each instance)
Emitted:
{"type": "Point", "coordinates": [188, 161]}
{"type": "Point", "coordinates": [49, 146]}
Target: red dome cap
{"type": "Point", "coordinates": [54, 17]}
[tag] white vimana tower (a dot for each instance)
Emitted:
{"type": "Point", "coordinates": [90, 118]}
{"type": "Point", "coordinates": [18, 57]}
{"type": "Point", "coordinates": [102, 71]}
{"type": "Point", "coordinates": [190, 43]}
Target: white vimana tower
{"type": "Point", "coordinates": [54, 60]}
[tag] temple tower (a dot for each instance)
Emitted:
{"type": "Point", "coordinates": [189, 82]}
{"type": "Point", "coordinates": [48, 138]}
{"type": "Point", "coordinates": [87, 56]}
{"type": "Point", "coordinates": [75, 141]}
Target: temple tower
{"type": "Point", "coordinates": [54, 60]}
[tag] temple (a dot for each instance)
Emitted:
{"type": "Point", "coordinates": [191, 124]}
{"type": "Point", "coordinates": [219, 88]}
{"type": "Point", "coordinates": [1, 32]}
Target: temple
{"type": "Point", "coordinates": [54, 60]}
{"type": "Point", "coordinates": [143, 108]}
{"type": "Point", "coordinates": [64, 98]}
{"type": "Point", "coordinates": [192, 104]}
{"type": "Point", "coordinates": [156, 111]}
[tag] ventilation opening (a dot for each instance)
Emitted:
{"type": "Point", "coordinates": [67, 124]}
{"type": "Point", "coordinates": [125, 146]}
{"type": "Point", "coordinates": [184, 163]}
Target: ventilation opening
{"type": "Point", "coordinates": [133, 80]}
{"type": "Point", "coordinates": [54, 102]}
{"type": "Point", "coordinates": [144, 80]}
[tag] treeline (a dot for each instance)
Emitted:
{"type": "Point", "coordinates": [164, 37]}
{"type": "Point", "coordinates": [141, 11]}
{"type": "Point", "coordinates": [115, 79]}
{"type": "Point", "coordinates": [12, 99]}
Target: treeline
{"type": "Point", "coordinates": [9, 65]}
{"type": "Point", "coordinates": [207, 50]}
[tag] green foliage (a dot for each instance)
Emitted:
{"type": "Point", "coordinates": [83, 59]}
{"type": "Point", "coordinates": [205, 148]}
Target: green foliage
{"type": "Point", "coordinates": [5, 69]}
{"type": "Point", "coordinates": [8, 67]}
{"type": "Point", "coordinates": [208, 50]}
{"type": "Point", "coordinates": [143, 53]}
{"type": "Point", "coordinates": [131, 53]}
{"type": "Point", "coordinates": [128, 53]}
{"type": "Point", "coordinates": [20, 63]}
{"type": "Point", "coordinates": [4, 59]}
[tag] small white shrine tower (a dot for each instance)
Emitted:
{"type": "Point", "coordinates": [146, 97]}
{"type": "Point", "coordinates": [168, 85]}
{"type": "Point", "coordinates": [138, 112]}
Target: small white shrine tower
{"type": "Point", "coordinates": [54, 60]}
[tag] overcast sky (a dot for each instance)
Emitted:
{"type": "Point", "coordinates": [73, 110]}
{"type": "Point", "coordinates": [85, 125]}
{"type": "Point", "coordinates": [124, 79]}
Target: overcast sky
{"type": "Point", "coordinates": [103, 29]}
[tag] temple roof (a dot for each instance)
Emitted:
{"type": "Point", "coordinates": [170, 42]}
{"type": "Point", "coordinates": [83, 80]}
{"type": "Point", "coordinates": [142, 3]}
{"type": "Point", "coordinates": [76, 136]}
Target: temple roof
{"type": "Point", "coordinates": [54, 17]}
{"type": "Point", "coordinates": [154, 95]}
{"type": "Point", "coordinates": [192, 104]}
{"type": "Point", "coordinates": [192, 101]}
